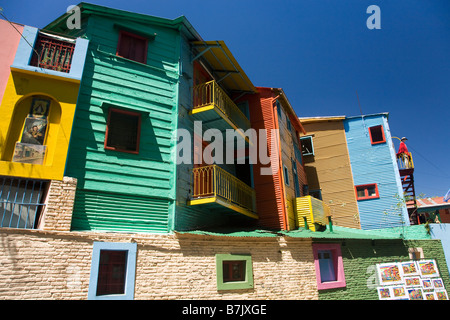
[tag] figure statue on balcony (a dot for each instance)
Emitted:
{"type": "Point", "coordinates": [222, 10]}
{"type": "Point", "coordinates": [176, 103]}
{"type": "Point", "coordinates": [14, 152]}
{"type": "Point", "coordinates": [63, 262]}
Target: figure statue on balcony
{"type": "Point", "coordinates": [403, 153]}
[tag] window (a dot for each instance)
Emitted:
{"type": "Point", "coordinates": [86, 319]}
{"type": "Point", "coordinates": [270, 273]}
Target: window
{"type": "Point", "coordinates": [286, 175]}
{"type": "Point", "coordinates": [377, 134]}
{"type": "Point", "coordinates": [234, 271]}
{"type": "Point", "coordinates": [329, 266]}
{"type": "Point", "coordinates": [132, 46]}
{"type": "Point", "coordinates": [367, 191]}
{"type": "Point", "coordinates": [307, 146]}
{"type": "Point", "coordinates": [112, 271]}
{"type": "Point", "coordinates": [123, 131]}
{"type": "Point", "coordinates": [21, 202]}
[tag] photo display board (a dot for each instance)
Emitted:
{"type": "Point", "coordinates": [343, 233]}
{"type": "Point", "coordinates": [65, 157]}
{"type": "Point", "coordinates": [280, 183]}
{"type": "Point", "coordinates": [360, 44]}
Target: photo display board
{"type": "Point", "coordinates": [410, 280]}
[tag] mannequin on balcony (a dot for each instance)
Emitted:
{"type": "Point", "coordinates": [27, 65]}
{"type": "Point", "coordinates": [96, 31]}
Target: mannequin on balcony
{"type": "Point", "coordinates": [403, 153]}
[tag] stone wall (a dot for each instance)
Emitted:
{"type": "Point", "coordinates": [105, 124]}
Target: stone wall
{"type": "Point", "coordinates": [39, 264]}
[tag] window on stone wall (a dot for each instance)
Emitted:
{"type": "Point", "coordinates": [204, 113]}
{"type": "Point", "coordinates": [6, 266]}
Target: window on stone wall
{"type": "Point", "coordinates": [329, 266]}
{"type": "Point", "coordinates": [415, 253]}
{"type": "Point", "coordinates": [234, 271]}
{"type": "Point", "coordinates": [113, 270]}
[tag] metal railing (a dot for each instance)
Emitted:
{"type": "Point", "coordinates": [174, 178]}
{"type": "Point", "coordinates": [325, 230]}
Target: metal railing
{"type": "Point", "coordinates": [52, 53]}
{"type": "Point", "coordinates": [21, 202]}
{"type": "Point", "coordinates": [405, 161]}
{"type": "Point", "coordinates": [213, 181]}
{"type": "Point", "coordinates": [210, 93]}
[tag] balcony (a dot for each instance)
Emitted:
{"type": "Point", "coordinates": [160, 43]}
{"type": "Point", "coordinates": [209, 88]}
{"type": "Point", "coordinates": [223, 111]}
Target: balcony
{"type": "Point", "coordinates": [51, 56]}
{"type": "Point", "coordinates": [218, 189]}
{"type": "Point", "coordinates": [215, 108]}
{"type": "Point", "coordinates": [405, 163]}
{"type": "Point", "coordinates": [53, 53]}
{"type": "Point", "coordinates": [313, 210]}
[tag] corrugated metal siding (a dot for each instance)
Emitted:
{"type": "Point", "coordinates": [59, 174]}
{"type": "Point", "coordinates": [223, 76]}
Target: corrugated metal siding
{"type": "Point", "coordinates": [330, 171]}
{"type": "Point", "coordinates": [114, 212]}
{"type": "Point", "coordinates": [269, 196]}
{"type": "Point", "coordinates": [374, 164]}
{"type": "Point", "coordinates": [150, 89]}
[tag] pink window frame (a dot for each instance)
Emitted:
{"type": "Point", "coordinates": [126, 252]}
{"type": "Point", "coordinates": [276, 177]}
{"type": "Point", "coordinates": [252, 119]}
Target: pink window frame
{"type": "Point", "coordinates": [366, 197]}
{"type": "Point", "coordinates": [338, 264]}
{"type": "Point", "coordinates": [382, 133]}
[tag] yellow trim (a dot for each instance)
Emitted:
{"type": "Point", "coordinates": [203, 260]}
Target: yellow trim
{"type": "Point", "coordinates": [46, 75]}
{"type": "Point", "coordinates": [202, 109]}
{"type": "Point", "coordinates": [194, 202]}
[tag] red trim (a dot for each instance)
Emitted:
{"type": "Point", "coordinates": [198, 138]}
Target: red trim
{"type": "Point", "coordinates": [138, 130]}
{"type": "Point", "coordinates": [366, 193]}
{"type": "Point", "coordinates": [129, 34]}
{"type": "Point", "coordinates": [382, 133]}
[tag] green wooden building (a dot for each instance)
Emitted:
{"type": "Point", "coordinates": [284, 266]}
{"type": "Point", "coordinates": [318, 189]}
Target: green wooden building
{"type": "Point", "coordinates": [141, 80]}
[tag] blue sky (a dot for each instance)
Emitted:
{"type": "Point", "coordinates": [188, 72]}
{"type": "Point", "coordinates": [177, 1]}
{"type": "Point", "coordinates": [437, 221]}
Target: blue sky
{"type": "Point", "coordinates": [321, 53]}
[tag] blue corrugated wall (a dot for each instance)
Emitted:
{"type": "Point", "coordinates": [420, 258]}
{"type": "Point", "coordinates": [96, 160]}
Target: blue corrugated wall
{"type": "Point", "coordinates": [375, 164]}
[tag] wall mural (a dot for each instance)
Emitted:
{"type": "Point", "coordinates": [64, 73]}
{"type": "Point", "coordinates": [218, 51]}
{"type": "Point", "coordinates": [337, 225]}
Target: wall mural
{"type": "Point", "coordinates": [410, 280]}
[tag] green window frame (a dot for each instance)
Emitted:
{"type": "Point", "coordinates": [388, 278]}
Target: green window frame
{"type": "Point", "coordinates": [246, 283]}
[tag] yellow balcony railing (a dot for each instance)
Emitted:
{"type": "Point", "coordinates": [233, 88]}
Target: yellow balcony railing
{"type": "Point", "coordinates": [212, 182]}
{"type": "Point", "coordinates": [405, 161]}
{"type": "Point", "coordinates": [314, 210]}
{"type": "Point", "coordinates": [211, 94]}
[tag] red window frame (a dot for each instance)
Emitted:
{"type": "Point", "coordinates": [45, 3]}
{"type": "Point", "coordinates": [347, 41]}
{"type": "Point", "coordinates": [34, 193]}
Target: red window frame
{"type": "Point", "coordinates": [382, 135]}
{"type": "Point", "coordinates": [123, 34]}
{"type": "Point", "coordinates": [108, 130]}
{"type": "Point", "coordinates": [365, 187]}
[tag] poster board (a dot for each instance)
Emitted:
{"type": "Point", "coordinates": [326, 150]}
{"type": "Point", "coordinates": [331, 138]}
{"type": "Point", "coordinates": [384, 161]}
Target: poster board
{"type": "Point", "coordinates": [410, 280]}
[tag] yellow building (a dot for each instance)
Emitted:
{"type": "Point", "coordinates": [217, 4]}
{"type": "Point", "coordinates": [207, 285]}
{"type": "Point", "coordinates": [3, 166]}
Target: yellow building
{"type": "Point", "coordinates": [38, 105]}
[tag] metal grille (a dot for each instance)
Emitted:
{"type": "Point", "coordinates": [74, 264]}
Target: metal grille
{"type": "Point", "coordinates": [54, 54]}
{"type": "Point", "coordinates": [21, 202]}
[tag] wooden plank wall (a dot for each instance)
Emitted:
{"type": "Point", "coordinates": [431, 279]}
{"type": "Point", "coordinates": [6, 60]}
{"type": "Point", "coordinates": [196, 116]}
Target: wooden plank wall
{"type": "Point", "coordinates": [117, 179]}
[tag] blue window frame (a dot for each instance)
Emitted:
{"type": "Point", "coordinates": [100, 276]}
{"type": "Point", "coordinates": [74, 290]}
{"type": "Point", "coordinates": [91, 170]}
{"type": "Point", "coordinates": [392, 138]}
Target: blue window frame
{"type": "Point", "coordinates": [114, 263]}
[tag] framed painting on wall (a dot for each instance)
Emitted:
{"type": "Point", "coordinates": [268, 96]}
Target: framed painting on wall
{"type": "Point", "coordinates": [34, 131]}
{"type": "Point", "coordinates": [441, 295]}
{"type": "Point", "coordinates": [29, 153]}
{"type": "Point", "coordinates": [399, 292]}
{"type": "Point", "coordinates": [39, 108]}
{"type": "Point", "coordinates": [415, 293]}
{"type": "Point", "coordinates": [409, 268]}
{"type": "Point", "coordinates": [389, 274]}
{"type": "Point", "coordinates": [413, 282]}
{"type": "Point", "coordinates": [428, 268]}
{"type": "Point", "coordinates": [384, 293]}
{"type": "Point", "coordinates": [438, 283]}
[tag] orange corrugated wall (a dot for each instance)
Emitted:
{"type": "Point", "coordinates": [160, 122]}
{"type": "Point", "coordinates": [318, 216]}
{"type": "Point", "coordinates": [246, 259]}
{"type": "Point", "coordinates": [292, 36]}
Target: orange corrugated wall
{"type": "Point", "coordinates": [269, 192]}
